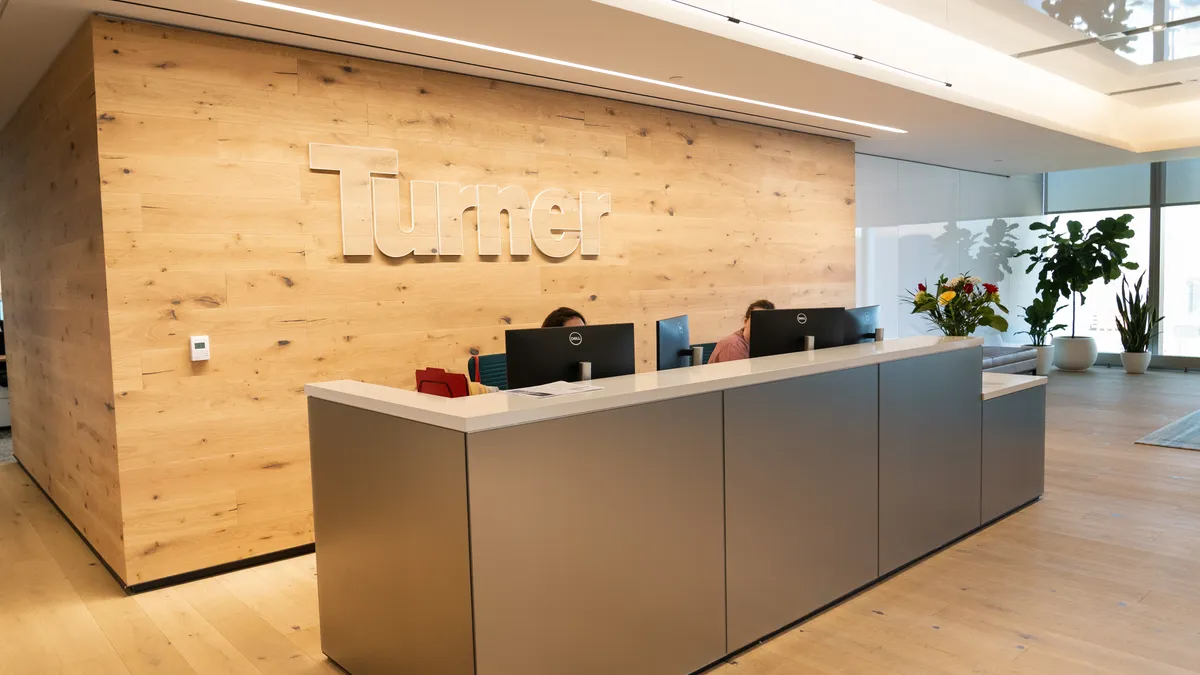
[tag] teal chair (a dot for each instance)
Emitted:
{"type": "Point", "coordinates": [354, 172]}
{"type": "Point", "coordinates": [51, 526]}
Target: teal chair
{"type": "Point", "coordinates": [708, 349]}
{"type": "Point", "coordinates": [489, 369]}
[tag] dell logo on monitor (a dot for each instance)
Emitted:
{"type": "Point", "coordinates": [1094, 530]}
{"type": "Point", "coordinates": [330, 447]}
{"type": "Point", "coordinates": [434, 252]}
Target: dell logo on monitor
{"type": "Point", "coordinates": [576, 339]}
{"type": "Point", "coordinates": [801, 318]}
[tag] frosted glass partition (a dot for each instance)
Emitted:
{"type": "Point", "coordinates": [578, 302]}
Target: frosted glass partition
{"type": "Point", "coordinates": [1111, 187]}
{"type": "Point", "coordinates": [893, 260]}
{"type": "Point", "coordinates": [1183, 181]}
{"type": "Point", "coordinates": [916, 221]}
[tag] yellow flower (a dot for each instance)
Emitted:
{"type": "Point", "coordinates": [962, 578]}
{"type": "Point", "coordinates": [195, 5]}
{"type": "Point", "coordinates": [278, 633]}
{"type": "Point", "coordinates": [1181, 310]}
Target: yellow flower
{"type": "Point", "coordinates": [945, 298]}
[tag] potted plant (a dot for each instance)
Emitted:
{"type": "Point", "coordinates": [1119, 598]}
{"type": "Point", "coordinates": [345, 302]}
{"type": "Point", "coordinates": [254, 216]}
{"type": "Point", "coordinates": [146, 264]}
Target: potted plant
{"type": "Point", "coordinates": [960, 305]}
{"type": "Point", "coordinates": [1137, 324]}
{"type": "Point", "coordinates": [1039, 314]}
{"type": "Point", "coordinates": [1071, 260]}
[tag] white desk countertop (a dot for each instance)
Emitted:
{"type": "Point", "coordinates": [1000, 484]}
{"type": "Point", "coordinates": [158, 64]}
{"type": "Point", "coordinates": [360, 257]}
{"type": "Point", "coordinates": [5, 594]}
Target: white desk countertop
{"type": "Point", "coordinates": [1000, 384]}
{"type": "Point", "coordinates": [494, 411]}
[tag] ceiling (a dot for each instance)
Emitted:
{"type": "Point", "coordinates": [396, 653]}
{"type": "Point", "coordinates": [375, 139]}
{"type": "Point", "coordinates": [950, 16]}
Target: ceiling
{"type": "Point", "coordinates": [1112, 46]}
{"type": "Point", "coordinates": [724, 68]}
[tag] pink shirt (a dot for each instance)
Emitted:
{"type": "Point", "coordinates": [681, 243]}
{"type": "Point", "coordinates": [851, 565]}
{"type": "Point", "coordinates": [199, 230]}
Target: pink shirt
{"type": "Point", "coordinates": [732, 348]}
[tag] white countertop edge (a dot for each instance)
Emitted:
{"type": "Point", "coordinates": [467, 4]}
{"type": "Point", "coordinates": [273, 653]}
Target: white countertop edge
{"type": "Point", "coordinates": [440, 412]}
{"type": "Point", "coordinates": [996, 385]}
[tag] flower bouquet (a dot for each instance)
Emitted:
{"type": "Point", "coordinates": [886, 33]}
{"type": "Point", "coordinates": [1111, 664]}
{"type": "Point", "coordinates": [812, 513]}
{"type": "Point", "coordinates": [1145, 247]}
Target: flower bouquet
{"type": "Point", "coordinates": [960, 305]}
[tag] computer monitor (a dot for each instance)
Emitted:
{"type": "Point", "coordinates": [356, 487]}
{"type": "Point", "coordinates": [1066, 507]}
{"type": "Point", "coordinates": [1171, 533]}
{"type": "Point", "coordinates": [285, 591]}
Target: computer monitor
{"type": "Point", "coordinates": [542, 355]}
{"type": "Point", "coordinates": [782, 331]}
{"type": "Point", "coordinates": [674, 343]}
{"type": "Point", "coordinates": [861, 323]}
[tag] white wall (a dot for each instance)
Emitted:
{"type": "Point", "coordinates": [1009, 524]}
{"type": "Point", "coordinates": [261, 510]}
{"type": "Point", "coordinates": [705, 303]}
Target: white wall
{"type": "Point", "coordinates": [917, 221]}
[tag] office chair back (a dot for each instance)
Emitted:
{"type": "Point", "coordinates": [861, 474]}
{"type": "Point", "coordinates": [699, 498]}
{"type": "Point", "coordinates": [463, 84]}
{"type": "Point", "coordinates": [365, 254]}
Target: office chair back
{"type": "Point", "coordinates": [489, 369]}
{"type": "Point", "coordinates": [708, 349]}
{"type": "Point", "coordinates": [438, 382]}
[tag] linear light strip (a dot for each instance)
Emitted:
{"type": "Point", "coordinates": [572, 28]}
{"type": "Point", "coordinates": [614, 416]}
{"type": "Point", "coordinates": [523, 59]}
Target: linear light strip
{"type": "Point", "coordinates": [833, 50]}
{"type": "Point", "coordinates": [558, 62]}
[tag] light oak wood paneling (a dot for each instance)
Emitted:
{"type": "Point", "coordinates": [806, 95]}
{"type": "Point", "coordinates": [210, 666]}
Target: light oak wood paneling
{"type": "Point", "coordinates": [55, 299]}
{"type": "Point", "coordinates": [1098, 577]}
{"type": "Point", "coordinates": [215, 225]}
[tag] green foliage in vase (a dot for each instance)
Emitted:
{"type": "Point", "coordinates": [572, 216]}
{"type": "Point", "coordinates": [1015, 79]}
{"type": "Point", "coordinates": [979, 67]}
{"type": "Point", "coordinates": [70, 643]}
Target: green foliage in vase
{"type": "Point", "coordinates": [960, 305]}
{"type": "Point", "coordinates": [1039, 314]}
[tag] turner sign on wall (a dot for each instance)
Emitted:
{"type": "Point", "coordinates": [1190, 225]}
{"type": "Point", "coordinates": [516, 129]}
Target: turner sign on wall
{"type": "Point", "coordinates": [373, 214]}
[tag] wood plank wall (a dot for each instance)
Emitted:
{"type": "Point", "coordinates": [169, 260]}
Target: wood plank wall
{"type": "Point", "coordinates": [55, 301]}
{"type": "Point", "coordinates": [214, 225]}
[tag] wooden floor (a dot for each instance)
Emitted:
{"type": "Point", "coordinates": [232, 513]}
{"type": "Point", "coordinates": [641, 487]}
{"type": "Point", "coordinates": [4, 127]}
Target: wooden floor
{"type": "Point", "coordinates": [1101, 576]}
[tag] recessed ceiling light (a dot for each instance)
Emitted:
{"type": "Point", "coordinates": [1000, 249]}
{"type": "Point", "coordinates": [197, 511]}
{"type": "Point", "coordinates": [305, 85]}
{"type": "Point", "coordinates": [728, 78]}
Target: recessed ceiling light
{"type": "Point", "coordinates": [559, 62]}
{"type": "Point", "coordinates": [1157, 27]}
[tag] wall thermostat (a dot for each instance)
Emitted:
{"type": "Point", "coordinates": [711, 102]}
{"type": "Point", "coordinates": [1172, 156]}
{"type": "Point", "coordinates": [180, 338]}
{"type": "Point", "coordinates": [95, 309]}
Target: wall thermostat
{"type": "Point", "coordinates": [199, 347]}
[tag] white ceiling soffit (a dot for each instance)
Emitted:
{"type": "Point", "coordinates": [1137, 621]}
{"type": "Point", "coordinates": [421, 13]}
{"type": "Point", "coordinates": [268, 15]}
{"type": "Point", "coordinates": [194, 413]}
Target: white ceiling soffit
{"type": "Point", "coordinates": [951, 127]}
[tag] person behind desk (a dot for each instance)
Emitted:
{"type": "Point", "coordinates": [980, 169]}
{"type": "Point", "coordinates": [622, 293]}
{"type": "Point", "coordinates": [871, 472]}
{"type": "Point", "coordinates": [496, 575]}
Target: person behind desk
{"type": "Point", "coordinates": [564, 317]}
{"type": "Point", "coordinates": [736, 346]}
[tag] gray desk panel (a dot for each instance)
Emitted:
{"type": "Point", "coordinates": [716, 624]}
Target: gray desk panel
{"type": "Point", "coordinates": [1014, 451]}
{"type": "Point", "coordinates": [598, 542]}
{"type": "Point", "coordinates": [390, 512]}
{"type": "Point", "coordinates": [801, 486]}
{"type": "Point", "coordinates": [930, 453]}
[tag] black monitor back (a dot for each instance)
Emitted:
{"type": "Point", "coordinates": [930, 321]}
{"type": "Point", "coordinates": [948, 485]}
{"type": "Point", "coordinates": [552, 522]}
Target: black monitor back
{"type": "Point", "coordinates": [541, 355]}
{"type": "Point", "coordinates": [674, 343]}
{"type": "Point", "coordinates": [782, 331]}
{"type": "Point", "coordinates": [861, 323]}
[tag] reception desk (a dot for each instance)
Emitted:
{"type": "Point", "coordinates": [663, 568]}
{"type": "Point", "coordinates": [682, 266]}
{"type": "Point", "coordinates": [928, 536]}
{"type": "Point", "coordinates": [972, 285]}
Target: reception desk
{"type": "Point", "coordinates": [654, 526]}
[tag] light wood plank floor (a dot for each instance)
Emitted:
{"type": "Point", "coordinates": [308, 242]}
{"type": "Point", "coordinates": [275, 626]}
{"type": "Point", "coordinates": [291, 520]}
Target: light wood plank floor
{"type": "Point", "coordinates": [1101, 576]}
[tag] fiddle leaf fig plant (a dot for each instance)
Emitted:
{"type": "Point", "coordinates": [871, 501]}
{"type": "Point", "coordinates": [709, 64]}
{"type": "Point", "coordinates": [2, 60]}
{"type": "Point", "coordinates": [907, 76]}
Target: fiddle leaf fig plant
{"type": "Point", "coordinates": [1039, 314]}
{"type": "Point", "coordinates": [1072, 259]}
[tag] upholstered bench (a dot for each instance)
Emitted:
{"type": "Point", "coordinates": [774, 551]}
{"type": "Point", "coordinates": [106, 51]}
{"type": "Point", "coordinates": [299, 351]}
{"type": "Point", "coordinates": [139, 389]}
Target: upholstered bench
{"type": "Point", "coordinates": [1009, 359]}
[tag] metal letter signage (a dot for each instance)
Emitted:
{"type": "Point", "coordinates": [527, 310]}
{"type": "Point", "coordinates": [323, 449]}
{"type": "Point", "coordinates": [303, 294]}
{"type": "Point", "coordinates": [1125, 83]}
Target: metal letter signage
{"type": "Point", "coordinates": [373, 213]}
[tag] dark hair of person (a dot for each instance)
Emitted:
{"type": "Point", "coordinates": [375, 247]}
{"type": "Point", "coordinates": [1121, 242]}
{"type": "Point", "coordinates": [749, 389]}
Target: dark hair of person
{"type": "Point", "coordinates": [759, 304]}
{"type": "Point", "coordinates": [559, 317]}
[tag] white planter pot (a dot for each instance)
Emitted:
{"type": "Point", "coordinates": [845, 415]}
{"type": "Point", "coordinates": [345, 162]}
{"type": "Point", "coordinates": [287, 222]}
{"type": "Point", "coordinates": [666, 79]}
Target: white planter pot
{"type": "Point", "coordinates": [1045, 358]}
{"type": "Point", "coordinates": [1136, 363]}
{"type": "Point", "coordinates": [1074, 353]}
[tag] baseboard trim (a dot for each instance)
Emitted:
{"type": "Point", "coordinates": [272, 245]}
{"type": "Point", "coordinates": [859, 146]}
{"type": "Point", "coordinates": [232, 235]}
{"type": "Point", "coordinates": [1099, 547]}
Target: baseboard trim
{"type": "Point", "coordinates": [224, 568]}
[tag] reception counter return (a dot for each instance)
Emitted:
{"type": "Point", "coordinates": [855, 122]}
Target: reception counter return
{"type": "Point", "coordinates": [659, 524]}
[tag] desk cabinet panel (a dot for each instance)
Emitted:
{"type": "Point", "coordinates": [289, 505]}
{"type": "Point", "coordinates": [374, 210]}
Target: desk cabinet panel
{"type": "Point", "coordinates": [930, 419]}
{"type": "Point", "coordinates": [1014, 451]}
{"type": "Point", "coordinates": [801, 479]}
{"type": "Point", "coordinates": [597, 542]}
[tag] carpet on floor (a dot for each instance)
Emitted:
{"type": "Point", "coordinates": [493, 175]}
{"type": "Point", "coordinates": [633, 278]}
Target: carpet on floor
{"type": "Point", "coordinates": [6, 445]}
{"type": "Point", "coordinates": [1182, 433]}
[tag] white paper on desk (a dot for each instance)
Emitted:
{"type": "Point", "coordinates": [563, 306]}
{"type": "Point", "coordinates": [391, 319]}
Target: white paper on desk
{"type": "Point", "coordinates": [559, 388]}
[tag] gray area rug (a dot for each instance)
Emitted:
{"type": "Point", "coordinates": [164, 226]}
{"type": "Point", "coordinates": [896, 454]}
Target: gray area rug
{"type": "Point", "coordinates": [1182, 433]}
{"type": "Point", "coordinates": [6, 445]}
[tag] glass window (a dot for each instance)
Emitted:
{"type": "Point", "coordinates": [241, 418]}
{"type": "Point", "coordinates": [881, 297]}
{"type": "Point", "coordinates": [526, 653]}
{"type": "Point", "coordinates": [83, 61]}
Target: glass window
{"type": "Point", "coordinates": [1183, 181]}
{"type": "Point", "coordinates": [1112, 187]}
{"type": "Point", "coordinates": [1097, 317]}
{"type": "Point", "coordinates": [1180, 279]}
{"type": "Point", "coordinates": [1182, 41]}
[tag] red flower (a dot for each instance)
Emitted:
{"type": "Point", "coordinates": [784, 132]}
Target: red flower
{"type": "Point", "coordinates": [992, 289]}
{"type": "Point", "coordinates": [921, 287]}
{"type": "Point", "coordinates": [969, 288]}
